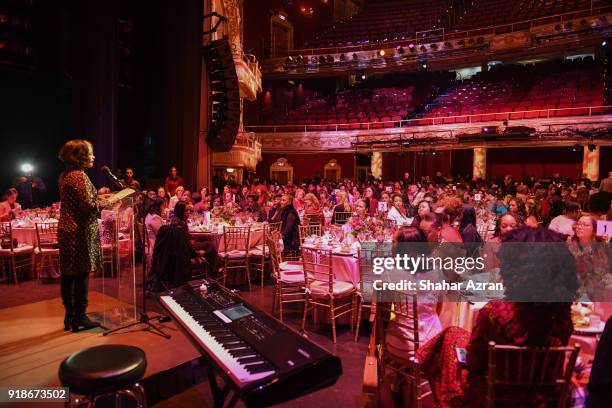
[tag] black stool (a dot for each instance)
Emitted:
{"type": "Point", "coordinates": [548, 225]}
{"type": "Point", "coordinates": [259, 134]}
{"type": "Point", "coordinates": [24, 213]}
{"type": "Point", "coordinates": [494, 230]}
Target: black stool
{"type": "Point", "coordinates": [112, 369]}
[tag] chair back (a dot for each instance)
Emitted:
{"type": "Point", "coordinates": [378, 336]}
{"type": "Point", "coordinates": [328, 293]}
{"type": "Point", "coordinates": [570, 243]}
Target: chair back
{"type": "Point", "coordinates": [237, 238]}
{"type": "Point", "coordinates": [366, 256]}
{"type": "Point", "coordinates": [314, 219]}
{"type": "Point", "coordinates": [275, 226]}
{"type": "Point", "coordinates": [308, 230]}
{"type": "Point", "coordinates": [46, 235]}
{"type": "Point", "coordinates": [341, 217]}
{"type": "Point", "coordinates": [519, 374]}
{"type": "Point", "coordinates": [272, 239]}
{"type": "Point", "coordinates": [398, 308]}
{"type": "Point", "coordinates": [6, 235]}
{"type": "Point", "coordinates": [318, 267]}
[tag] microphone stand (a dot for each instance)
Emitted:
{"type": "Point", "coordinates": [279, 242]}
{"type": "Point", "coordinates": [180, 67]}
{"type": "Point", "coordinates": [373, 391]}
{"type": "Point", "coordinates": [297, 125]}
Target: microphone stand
{"type": "Point", "coordinates": [144, 318]}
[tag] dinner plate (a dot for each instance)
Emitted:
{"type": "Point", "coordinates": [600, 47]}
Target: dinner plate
{"type": "Point", "coordinates": [591, 329]}
{"type": "Point", "coordinates": [337, 252]}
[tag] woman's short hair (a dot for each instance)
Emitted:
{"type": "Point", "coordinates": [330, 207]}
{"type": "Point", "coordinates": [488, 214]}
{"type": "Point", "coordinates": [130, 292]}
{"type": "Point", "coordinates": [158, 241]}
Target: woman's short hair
{"type": "Point", "coordinates": [179, 210]}
{"type": "Point", "coordinates": [9, 192]}
{"type": "Point", "coordinates": [75, 153]}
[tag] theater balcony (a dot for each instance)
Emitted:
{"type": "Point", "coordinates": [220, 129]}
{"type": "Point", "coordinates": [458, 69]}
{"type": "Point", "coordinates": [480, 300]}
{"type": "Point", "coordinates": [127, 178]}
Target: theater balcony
{"type": "Point", "coordinates": [245, 153]}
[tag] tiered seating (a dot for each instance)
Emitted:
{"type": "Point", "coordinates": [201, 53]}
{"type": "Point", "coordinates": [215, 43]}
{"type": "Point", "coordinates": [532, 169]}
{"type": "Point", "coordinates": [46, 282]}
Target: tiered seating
{"type": "Point", "coordinates": [570, 87]}
{"type": "Point", "coordinates": [353, 107]}
{"type": "Point", "coordinates": [484, 13]}
{"type": "Point", "coordinates": [383, 21]}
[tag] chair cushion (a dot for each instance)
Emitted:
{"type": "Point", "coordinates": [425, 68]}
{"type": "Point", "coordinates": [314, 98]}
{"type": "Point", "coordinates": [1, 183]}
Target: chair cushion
{"type": "Point", "coordinates": [322, 288]}
{"type": "Point", "coordinates": [291, 276]}
{"type": "Point", "coordinates": [291, 266]}
{"type": "Point", "coordinates": [101, 369]}
{"type": "Point", "coordinates": [233, 254]}
{"type": "Point", "coordinates": [256, 252]}
{"type": "Point", "coordinates": [19, 250]}
{"type": "Point", "coordinates": [47, 251]}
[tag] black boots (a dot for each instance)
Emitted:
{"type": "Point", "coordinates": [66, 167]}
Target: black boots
{"type": "Point", "coordinates": [74, 290]}
{"type": "Point", "coordinates": [80, 322]}
{"type": "Point", "coordinates": [68, 319]}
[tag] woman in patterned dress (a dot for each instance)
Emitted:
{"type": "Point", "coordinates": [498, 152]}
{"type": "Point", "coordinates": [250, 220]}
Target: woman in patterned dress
{"type": "Point", "coordinates": [78, 234]}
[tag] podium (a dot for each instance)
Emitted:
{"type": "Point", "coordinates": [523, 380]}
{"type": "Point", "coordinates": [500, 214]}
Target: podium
{"type": "Point", "coordinates": [118, 278]}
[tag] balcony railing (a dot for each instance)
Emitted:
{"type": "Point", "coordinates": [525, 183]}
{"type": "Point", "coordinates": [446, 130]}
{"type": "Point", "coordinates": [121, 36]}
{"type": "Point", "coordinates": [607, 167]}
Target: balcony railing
{"type": "Point", "coordinates": [448, 35]}
{"type": "Point", "coordinates": [440, 120]}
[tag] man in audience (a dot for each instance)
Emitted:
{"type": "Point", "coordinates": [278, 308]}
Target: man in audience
{"type": "Point", "coordinates": [255, 211]}
{"type": "Point", "coordinates": [129, 180]}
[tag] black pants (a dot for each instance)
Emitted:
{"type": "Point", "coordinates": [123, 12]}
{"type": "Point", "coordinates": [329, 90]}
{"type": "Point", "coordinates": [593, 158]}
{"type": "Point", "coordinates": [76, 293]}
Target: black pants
{"type": "Point", "coordinates": [74, 293]}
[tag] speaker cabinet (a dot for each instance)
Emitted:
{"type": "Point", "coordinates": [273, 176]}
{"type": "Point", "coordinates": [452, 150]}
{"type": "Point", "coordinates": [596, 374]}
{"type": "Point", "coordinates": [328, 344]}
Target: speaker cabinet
{"type": "Point", "coordinates": [224, 119]}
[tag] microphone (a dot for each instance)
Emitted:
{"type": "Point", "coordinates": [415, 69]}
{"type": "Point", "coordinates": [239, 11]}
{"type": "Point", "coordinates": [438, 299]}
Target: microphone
{"type": "Point", "coordinates": [118, 183]}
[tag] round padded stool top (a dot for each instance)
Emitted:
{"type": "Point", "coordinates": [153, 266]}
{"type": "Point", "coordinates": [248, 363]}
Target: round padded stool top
{"type": "Point", "coordinates": [101, 369]}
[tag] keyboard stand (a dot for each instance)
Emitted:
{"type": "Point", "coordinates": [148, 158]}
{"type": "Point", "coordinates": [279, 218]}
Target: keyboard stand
{"type": "Point", "coordinates": [220, 395]}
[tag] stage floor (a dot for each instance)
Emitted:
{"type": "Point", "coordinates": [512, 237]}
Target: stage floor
{"type": "Point", "coordinates": [33, 344]}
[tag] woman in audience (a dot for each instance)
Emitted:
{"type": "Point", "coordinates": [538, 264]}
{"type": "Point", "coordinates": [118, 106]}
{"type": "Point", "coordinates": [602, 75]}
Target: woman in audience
{"type": "Point", "coordinates": [451, 209]}
{"type": "Point", "coordinates": [161, 193]}
{"type": "Point", "coordinates": [9, 207]}
{"type": "Point", "coordinates": [422, 209]}
{"type": "Point", "coordinates": [186, 197]}
{"type": "Point", "coordinates": [540, 284]}
{"type": "Point", "coordinates": [217, 207]}
{"type": "Point", "coordinates": [313, 212]}
{"type": "Point", "coordinates": [592, 262]}
{"type": "Point", "coordinates": [153, 220]}
{"type": "Point", "coordinates": [200, 204]}
{"type": "Point", "coordinates": [290, 223]}
{"type": "Point", "coordinates": [371, 202]}
{"type": "Point", "coordinates": [398, 213]}
{"type": "Point", "coordinates": [275, 211]}
{"type": "Point", "coordinates": [399, 336]}
{"type": "Point", "coordinates": [298, 201]}
{"type": "Point", "coordinates": [172, 181]}
{"type": "Point", "coordinates": [469, 232]}
{"type": "Point", "coordinates": [178, 194]}
{"type": "Point", "coordinates": [342, 204]}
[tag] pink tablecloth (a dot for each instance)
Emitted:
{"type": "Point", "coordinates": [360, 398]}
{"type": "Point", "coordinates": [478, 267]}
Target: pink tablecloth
{"type": "Point", "coordinates": [256, 238]}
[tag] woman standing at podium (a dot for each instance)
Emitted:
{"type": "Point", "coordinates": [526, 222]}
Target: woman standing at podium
{"type": "Point", "coordinates": [78, 234]}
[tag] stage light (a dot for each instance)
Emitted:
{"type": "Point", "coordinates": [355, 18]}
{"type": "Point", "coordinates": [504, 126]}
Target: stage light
{"type": "Point", "coordinates": [381, 53]}
{"type": "Point", "coordinates": [27, 168]}
{"type": "Point", "coordinates": [363, 77]}
{"type": "Point", "coordinates": [424, 66]}
{"type": "Point", "coordinates": [603, 43]}
{"type": "Point", "coordinates": [230, 170]}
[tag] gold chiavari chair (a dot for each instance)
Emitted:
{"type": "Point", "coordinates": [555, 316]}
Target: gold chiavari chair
{"type": "Point", "coordinates": [275, 226]}
{"type": "Point", "coordinates": [47, 248]}
{"type": "Point", "coordinates": [518, 374]}
{"type": "Point", "coordinates": [398, 313]}
{"type": "Point", "coordinates": [341, 217]}
{"type": "Point", "coordinates": [12, 255]}
{"type": "Point", "coordinates": [235, 256]}
{"type": "Point", "coordinates": [323, 290]}
{"type": "Point", "coordinates": [308, 230]}
{"type": "Point", "coordinates": [288, 278]}
{"type": "Point", "coordinates": [261, 254]}
{"type": "Point", "coordinates": [314, 219]}
{"type": "Point", "coordinates": [365, 257]}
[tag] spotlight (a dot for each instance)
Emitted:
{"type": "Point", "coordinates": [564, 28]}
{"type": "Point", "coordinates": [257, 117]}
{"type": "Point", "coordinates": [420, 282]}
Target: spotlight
{"type": "Point", "coordinates": [603, 43]}
{"type": "Point", "coordinates": [363, 77]}
{"type": "Point", "coordinates": [27, 168]}
{"type": "Point", "coordinates": [381, 53]}
{"type": "Point", "coordinates": [424, 66]}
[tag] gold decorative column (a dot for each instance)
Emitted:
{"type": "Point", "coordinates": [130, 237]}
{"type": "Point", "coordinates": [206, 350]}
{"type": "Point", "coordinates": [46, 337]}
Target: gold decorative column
{"type": "Point", "coordinates": [376, 165]}
{"type": "Point", "coordinates": [479, 163]}
{"type": "Point", "coordinates": [590, 163]}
